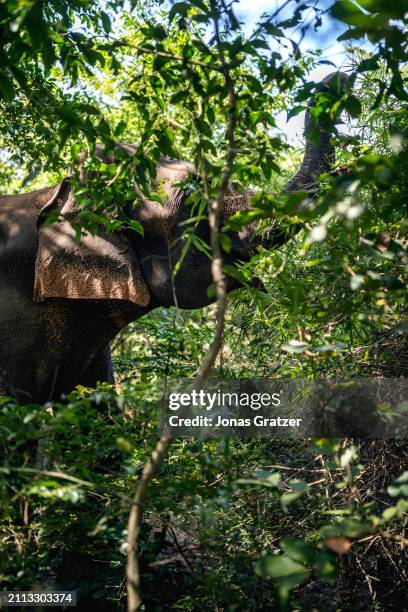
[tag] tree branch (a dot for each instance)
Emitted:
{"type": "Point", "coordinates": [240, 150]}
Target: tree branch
{"type": "Point", "coordinates": [150, 469]}
{"type": "Point", "coordinates": [176, 58]}
{"type": "Point", "coordinates": [215, 206]}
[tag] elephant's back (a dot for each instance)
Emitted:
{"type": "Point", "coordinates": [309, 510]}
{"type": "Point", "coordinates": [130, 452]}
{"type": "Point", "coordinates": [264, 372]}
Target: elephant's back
{"type": "Point", "coordinates": [18, 230]}
{"type": "Point", "coordinates": [20, 323]}
{"type": "Point", "coordinates": [18, 250]}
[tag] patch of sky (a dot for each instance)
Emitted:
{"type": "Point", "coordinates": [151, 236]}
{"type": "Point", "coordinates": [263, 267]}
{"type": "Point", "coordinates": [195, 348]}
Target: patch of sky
{"type": "Point", "coordinates": [322, 39]}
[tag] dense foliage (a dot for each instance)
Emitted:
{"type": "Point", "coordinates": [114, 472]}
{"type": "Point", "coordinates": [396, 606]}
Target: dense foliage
{"type": "Point", "coordinates": [229, 524]}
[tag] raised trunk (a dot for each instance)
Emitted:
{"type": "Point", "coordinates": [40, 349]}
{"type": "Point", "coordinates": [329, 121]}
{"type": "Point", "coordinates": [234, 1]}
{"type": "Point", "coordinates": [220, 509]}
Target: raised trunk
{"type": "Point", "coordinates": [164, 221]}
{"type": "Point", "coordinates": [319, 154]}
{"type": "Point", "coordinates": [318, 158]}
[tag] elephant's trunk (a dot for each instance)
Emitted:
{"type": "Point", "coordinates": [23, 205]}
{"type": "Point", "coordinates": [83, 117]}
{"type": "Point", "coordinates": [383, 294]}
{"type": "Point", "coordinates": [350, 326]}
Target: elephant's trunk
{"type": "Point", "coordinates": [318, 158]}
{"type": "Point", "coordinates": [161, 221]}
{"type": "Point", "coordinates": [319, 153]}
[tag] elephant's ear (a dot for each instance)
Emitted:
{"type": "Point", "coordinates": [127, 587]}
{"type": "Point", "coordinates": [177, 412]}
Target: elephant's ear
{"type": "Point", "coordinates": [102, 266]}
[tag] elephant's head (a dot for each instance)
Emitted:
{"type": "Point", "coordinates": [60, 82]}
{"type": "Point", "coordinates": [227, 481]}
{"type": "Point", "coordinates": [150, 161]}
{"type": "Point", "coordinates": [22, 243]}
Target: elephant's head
{"type": "Point", "coordinates": [156, 269]}
{"type": "Point", "coordinates": [176, 265]}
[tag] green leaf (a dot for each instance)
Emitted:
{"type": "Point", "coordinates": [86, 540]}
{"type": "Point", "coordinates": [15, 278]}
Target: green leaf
{"type": "Point", "coordinates": [203, 126]}
{"type": "Point", "coordinates": [188, 51]}
{"type": "Point", "coordinates": [242, 218]}
{"type": "Point", "coordinates": [233, 20]}
{"type": "Point", "coordinates": [200, 245]}
{"type": "Point", "coordinates": [106, 22]}
{"type": "Point", "coordinates": [178, 96]}
{"type": "Point", "coordinates": [326, 567]}
{"type": "Point", "coordinates": [389, 513]}
{"type": "Point", "coordinates": [124, 445]}
{"type": "Point", "coordinates": [226, 243]}
{"type": "Point", "coordinates": [299, 486]}
{"type": "Point", "coordinates": [120, 128]}
{"type": "Point", "coordinates": [272, 478]}
{"type": "Point", "coordinates": [136, 227]}
{"type": "Point", "coordinates": [169, 133]}
{"type": "Point", "coordinates": [48, 55]}
{"type": "Point", "coordinates": [157, 84]}
{"type": "Point", "coordinates": [350, 13]}
{"type": "Point", "coordinates": [254, 84]}
{"type": "Point", "coordinates": [399, 488]}
{"type": "Point", "coordinates": [298, 550]}
{"type": "Point", "coordinates": [179, 8]}
{"type": "Point", "coordinates": [348, 527]}
{"type": "Point", "coordinates": [352, 33]}
{"type": "Point", "coordinates": [371, 63]}
{"type": "Point", "coordinates": [160, 61]}
{"type": "Point", "coordinates": [208, 146]}
{"type": "Point", "coordinates": [165, 142]}
{"type": "Point", "coordinates": [260, 44]}
{"type": "Point", "coordinates": [272, 30]}
{"type": "Point", "coordinates": [254, 117]}
{"type": "Point", "coordinates": [288, 498]}
{"type": "Point", "coordinates": [233, 272]}
{"type": "Point", "coordinates": [6, 88]}
{"type": "Point", "coordinates": [158, 32]}
{"type": "Point", "coordinates": [263, 478]}
{"type": "Point", "coordinates": [280, 566]}
{"type": "Point", "coordinates": [353, 106]}
{"type": "Point", "coordinates": [294, 111]}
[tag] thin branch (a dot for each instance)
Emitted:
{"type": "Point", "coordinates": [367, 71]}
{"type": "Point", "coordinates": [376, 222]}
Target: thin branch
{"type": "Point", "coordinates": [176, 124]}
{"type": "Point", "coordinates": [215, 209]}
{"type": "Point", "coordinates": [134, 522]}
{"type": "Point", "coordinates": [176, 58]}
{"type": "Point", "coordinates": [150, 469]}
{"type": "Point", "coordinates": [392, 536]}
{"type": "Point", "coordinates": [52, 474]}
{"type": "Point", "coordinates": [269, 20]}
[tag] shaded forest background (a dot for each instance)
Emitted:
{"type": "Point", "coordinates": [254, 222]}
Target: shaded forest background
{"type": "Point", "coordinates": [322, 524]}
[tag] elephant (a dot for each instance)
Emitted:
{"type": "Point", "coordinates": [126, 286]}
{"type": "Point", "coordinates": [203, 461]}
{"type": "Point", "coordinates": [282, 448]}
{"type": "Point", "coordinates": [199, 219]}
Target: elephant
{"type": "Point", "coordinates": [62, 302]}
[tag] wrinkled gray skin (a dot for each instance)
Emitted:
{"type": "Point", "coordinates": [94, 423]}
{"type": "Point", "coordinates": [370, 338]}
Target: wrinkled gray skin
{"type": "Point", "coordinates": [47, 348]}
